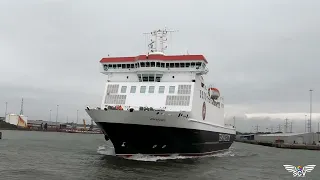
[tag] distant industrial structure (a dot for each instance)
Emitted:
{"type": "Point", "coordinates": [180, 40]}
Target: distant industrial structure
{"type": "Point", "coordinates": [53, 126]}
{"type": "Point", "coordinates": [21, 122]}
{"type": "Point", "coordinates": [287, 138]}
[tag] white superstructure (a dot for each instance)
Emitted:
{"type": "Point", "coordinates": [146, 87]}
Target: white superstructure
{"type": "Point", "coordinates": [165, 91]}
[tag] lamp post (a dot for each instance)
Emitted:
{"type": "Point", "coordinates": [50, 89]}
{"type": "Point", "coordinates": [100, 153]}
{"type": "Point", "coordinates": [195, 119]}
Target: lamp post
{"type": "Point", "coordinates": [318, 132]}
{"type": "Point", "coordinates": [310, 109]}
{"type": "Point", "coordinates": [234, 121]}
{"type": "Point", "coordinates": [305, 123]}
{"type": "Point", "coordinates": [50, 115]}
{"type": "Point", "coordinates": [311, 113]}
{"type": "Point", "coordinates": [57, 116]}
{"type": "Point", "coordinates": [5, 112]}
{"type": "Point", "coordinates": [77, 116]}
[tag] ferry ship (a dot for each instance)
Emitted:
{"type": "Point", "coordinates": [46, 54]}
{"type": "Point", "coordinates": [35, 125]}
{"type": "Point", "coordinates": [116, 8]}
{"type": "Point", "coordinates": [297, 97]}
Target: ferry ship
{"type": "Point", "coordinates": [158, 104]}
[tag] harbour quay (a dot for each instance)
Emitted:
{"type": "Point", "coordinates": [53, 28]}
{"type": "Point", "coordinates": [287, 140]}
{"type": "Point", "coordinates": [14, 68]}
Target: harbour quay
{"type": "Point", "coordinates": [308, 141]}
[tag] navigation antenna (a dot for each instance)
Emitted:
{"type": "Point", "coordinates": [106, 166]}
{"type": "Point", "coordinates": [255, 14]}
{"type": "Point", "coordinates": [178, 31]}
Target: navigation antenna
{"type": "Point", "coordinates": [158, 40]}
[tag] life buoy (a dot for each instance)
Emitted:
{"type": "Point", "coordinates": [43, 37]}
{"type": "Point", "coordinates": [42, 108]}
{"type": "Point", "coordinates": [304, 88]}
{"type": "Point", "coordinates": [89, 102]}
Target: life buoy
{"type": "Point", "coordinates": [214, 93]}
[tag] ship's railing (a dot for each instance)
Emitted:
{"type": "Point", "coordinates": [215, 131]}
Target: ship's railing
{"type": "Point", "coordinates": [196, 69]}
{"type": "Point", "coordinates": [133, 108]}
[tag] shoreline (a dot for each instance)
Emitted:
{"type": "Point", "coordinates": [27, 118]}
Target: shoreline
{"type": "Point", "coordinates": [281, 145]}
{"type": "Point", "coordinates": [59, 131]}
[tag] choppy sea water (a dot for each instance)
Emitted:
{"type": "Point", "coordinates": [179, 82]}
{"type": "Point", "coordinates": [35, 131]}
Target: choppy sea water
{"type": "Point", "coordinates": [51, 155]}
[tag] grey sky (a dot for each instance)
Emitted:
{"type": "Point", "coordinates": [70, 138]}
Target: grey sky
{"type": "Point", "coordinates": [263, 55]}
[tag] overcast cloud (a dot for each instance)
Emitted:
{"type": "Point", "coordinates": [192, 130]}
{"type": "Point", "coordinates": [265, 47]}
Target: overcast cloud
{"type": "Point", "coordinates": [263, 55]}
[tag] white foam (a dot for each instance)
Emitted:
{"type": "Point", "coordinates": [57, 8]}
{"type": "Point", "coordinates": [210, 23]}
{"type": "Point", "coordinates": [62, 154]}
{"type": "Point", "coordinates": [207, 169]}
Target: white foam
{"type": "Point", "coordinates": [109, 150]}
{"type": "Point", "coordinates": [140, 157]}
{"type": "Point", "coordinates": [106, 150]}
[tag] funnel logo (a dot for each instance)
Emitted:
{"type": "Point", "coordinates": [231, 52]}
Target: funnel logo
{"type": "Point", "coordinates": [299, 171]}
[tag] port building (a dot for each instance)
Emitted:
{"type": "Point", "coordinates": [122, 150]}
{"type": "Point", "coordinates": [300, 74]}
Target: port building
{"type": "Point", "coordinates": [289, 138]}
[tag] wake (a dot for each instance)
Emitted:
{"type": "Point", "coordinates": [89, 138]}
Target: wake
{"type": "Point", "coordinates": [109, 151]}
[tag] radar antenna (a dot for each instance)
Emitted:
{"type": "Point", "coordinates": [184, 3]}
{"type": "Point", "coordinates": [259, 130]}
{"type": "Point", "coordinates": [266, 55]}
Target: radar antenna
{"type": "Point", "coordinates": [158, 40]}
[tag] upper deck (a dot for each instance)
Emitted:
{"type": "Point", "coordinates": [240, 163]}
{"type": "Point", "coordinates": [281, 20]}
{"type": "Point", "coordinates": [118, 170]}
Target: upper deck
{"type": "Point", "coordinates": [155, 63]}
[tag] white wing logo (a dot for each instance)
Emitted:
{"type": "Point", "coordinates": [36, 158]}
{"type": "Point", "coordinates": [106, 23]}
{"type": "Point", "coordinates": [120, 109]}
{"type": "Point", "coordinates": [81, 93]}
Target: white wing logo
{"type": "Point", "coordinates": [299, 171]}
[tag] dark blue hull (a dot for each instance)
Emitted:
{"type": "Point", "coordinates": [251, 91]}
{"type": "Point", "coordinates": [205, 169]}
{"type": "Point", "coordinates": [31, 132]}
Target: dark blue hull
{"type": "Point", "coordinates": [129, 139]}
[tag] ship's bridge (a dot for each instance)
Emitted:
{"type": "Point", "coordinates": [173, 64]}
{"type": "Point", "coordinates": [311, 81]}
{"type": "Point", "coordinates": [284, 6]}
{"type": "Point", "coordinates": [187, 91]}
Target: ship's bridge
{"type": "Point", "coordinates": [153, 67]}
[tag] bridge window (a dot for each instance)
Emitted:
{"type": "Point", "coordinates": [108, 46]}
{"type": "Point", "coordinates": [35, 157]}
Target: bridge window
{"type": "Point", "coordinates": [133, 89]}
{"type": "Point", "coordinates": [182, 65]}
{"type": "Point", "coordinates": [151, 89]}
{"type": "Point", "coordinates": [171, 65]}
{"type": "Point", "coordinates": [139, 77]}
{"type": "Point", "coordinates": [161, 89]}
{"type": "Point", "coordinates": [147, 64]}
{"type": "Point", "coordinates": [193, 64]}
{"type": "Point", "coordinates": [176, 65]}
{"type": "Point", "coordinates": [158, 77]}
{"type": "Point", "coordinates": [142, 89]}
{"type": "Point", "coordinates": [153, 64]}
{"type": "Point", "coordinates": [118, 66]}
{"type": "Point", "coordinates": [158, 64]}
{"type": "Point", "coordinates": [187, 64]}
{"type": "Point", "coordinates": [123, 89]}
{"type": "Point", "coordinates": [143, 64]}
{"type": "Point", "coordinates": [123, 66]}
{"type": "Point", "coordinates": [151, 78]}
{"type": "Point", "coordinates": [105, 67]}
{"type": "Point", "coordinates": [198, 64]}
{"type": "Point", "coordinates": [167, 65]}
{"type": "Point", "coordinates": [171, 89]}
{"type": "Point", "coordinates": [162, 65]}
{"type": "Point", "coordinates": [145, 78]}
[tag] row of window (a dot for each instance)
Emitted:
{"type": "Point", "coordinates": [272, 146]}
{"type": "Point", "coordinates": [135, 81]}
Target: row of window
{"type": "Point", "coordinates": [182, 89]}
{"type": "Point", "coordinates": [150, 77]}
{"type": "Point", "coordinates": [151, 89]}
{"type": "Point", "coordinates": [153, 64]}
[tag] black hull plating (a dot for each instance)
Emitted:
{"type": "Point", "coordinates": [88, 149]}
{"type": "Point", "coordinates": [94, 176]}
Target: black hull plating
{"type": "Point", "coordinates": [129, 139]}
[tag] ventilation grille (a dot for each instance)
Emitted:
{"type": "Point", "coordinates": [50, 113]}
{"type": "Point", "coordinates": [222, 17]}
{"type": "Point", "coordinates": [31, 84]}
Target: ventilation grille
{"type": "Point", "coordinates": [115, 99]}
{"type": "Point", "coordinates": [113, 88]}
{"type": "Point", "coordinates": [178, 100]}
{"type": "Point", "coordinates": [184, 89]}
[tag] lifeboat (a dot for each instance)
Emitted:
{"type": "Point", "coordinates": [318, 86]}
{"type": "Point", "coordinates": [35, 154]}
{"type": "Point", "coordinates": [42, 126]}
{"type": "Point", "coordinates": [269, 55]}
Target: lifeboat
{"type": "Point", "coordinates": [214, 93]}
